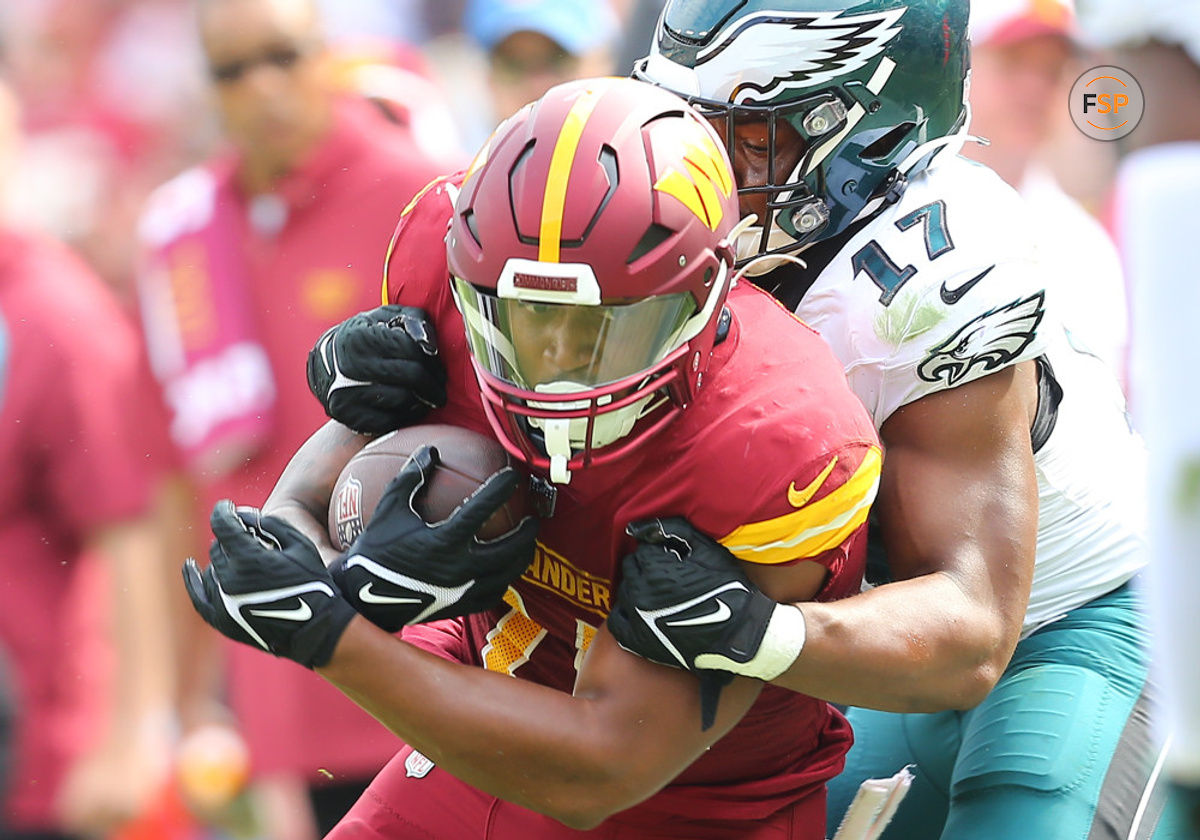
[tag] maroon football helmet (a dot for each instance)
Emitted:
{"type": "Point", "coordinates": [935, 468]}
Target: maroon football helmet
{"type": "Point", "coordinates": [590, 258]}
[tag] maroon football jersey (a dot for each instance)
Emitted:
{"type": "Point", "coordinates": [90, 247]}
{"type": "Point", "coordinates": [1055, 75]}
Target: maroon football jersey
{"type": "Point", "coordinates": [775, 457]}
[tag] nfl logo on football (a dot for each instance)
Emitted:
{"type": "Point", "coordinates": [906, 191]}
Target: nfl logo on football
{"type": "Point", "coordinates": [349, 511]}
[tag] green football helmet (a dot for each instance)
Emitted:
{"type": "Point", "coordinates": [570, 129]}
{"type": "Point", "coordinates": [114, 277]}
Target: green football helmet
{"type": "Point", "coordinates": [874, 88]}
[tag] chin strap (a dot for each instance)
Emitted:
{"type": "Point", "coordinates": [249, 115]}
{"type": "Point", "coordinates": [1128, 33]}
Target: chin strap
{"type": "Point", "coordinates": [773, 260]}
{"type": "Point", "coordinates": [747, 236]}
{"type": "Point", "coordinates": [563, 437]}
{"type": "Point", "coordinates": [557, 434]}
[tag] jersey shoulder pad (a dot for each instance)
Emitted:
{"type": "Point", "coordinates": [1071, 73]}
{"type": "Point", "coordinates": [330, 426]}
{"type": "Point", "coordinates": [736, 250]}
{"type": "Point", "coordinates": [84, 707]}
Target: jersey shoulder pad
{"type": "Point", "coordinates": [415, 265]}
{"type": "Point", "coordinates": [816, 507]}
{"type": "Point", "coordinates": [984, 306]}
{"type": "Point", "coordinates": [947, 287]}
{"type": "Point", "coordinates": [777, 406]}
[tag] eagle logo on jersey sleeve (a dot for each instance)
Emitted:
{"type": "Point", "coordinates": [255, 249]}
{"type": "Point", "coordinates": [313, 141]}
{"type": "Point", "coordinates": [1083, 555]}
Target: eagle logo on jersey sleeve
{"type": "Point", "coordinates": [742, 65]}
{"type": "Point", "coordinates": [990, 341]}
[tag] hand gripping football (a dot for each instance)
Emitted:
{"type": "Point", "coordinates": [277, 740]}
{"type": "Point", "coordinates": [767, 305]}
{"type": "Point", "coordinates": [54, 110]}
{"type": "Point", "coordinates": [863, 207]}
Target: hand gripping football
{"type": "Point", "coordinates": [466, 459]}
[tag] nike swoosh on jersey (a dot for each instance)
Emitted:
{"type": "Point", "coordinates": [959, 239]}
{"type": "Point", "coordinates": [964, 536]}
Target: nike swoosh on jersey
{"type": "Point", "coordinates": [952, 296]}
{"type": "Point", "coordinates": [368, 595]}
{"type": "Point", "coordinates": [301, 613]}
{"type": "Point", "coordinates": [721, 613]}
{"type": "Point", "coordinates": [799, 498]}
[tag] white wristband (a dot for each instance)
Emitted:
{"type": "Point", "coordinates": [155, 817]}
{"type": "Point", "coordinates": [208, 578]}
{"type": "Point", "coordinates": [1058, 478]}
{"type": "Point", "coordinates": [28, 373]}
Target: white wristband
{"type": "Point", "coordinates": [780, 646]}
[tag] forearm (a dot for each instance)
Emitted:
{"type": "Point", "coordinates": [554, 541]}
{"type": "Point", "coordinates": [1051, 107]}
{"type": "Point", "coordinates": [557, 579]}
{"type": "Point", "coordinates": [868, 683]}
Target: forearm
{"type": "Point", "coordinates": [115, 779]}
{"type": "Point", "coordinates": [577, 758]}
{"type": "Point", "coordinates": [957, 509]}
{"type": "Point", "coordinates": [911, 646]}
{"type": "Point", "coordinates": [198, 659]}
{"type": "Point", "coordinates": [142, 629]}
{"type": "Point", "coordinates": [524, 743]}
{"type": "Point", "coordinates": [301, 496]}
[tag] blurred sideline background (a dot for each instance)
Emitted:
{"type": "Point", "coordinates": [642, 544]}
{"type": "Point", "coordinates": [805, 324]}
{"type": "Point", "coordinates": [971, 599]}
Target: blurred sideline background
{"type": "Point", "coordinates": [114, 97]}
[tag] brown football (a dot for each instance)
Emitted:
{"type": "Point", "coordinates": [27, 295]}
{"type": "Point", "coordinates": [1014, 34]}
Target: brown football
{"type": "Point", "coordinates": [466, 459]}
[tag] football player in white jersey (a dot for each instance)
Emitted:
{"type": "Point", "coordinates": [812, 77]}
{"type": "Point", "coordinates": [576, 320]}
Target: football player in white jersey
{"type": "Point", "coordinates": [1006, 658]}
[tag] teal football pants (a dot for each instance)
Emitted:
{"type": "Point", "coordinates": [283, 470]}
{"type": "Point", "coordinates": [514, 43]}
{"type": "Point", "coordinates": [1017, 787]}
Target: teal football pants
{"type": "Point", "coordinates": [1062, 748]}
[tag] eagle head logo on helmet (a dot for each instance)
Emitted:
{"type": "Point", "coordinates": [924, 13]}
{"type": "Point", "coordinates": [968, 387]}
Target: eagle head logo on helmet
{"type": "Point", "coordinates": [860, 95]}
{"type": "Point", "coordinates": [590, 256]}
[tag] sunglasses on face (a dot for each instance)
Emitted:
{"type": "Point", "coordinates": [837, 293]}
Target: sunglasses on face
{"type": "Point", "coordinates": [283, 57]}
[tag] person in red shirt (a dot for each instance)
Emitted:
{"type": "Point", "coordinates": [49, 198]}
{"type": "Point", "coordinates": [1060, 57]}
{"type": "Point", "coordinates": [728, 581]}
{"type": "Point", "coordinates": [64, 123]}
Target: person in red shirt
{"type": "Point", "coordinates": [589, 259]}
{"type": "Point", "coordinates": [76, 485]}
{"type": "Point", "coordinates": [247, 259]}
{"type": "Point", "coordinates": [79, 522]}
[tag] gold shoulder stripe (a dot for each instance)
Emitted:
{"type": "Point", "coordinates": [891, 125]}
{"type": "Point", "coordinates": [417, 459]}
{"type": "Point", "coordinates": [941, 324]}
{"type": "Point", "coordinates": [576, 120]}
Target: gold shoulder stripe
{"type": "Point", "coordinates": [387, 261]}
{"type": "Point", "coordinates": [420, 194]}
{"type": "Point", "coordinates": [815, 527]}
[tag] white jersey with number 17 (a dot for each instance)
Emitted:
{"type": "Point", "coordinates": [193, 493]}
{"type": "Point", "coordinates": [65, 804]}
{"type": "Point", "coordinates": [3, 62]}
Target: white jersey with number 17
{"type": "Point", "coordinates": [944, 287]}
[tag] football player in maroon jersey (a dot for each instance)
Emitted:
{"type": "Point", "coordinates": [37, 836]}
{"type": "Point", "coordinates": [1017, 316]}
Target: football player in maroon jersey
{"type": "Point", "coordinates": [588, 318]}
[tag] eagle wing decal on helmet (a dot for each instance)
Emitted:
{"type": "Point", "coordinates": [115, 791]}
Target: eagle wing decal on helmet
{"type": "Point", "coordinates": [992, 340]}
{"type": "Point", "coordinates": [743, 62]}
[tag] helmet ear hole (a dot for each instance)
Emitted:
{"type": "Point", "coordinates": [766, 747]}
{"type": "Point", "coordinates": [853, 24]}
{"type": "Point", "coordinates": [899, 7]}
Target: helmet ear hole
{"type": "Point", "coordinates": [654, 236]}
{"type": "Point", "coordinates": [885, 146]}
{"type": "Point", "coordinates": [472, 226]}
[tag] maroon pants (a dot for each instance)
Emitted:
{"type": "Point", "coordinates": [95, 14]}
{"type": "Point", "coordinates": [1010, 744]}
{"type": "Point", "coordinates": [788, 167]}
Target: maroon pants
{"type": "Point", "coordinates": [410, 798]}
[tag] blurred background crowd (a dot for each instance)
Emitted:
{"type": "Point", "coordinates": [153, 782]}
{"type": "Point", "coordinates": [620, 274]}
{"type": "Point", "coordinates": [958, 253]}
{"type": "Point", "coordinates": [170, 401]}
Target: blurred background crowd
{"type": "Point", "coordinates": [210, 184]}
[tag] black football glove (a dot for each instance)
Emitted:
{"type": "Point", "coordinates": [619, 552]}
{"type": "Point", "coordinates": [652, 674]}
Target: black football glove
{"type": "Point", "coordinates": [684, 601]}
{"type": "Point", "coordinates": [403, 570]}
{"type": "Point", "coordinates": [378, 370]}
{"type": "Point", "coordinates": [267, 587]}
